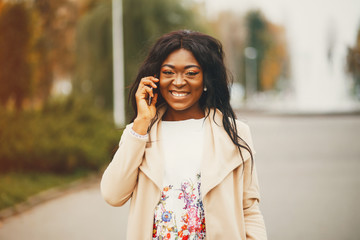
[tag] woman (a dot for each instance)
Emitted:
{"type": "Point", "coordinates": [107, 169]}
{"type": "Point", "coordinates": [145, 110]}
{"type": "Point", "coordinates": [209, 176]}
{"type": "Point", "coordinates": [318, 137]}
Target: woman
{"type": "Point", "coordinates": [184, 161]}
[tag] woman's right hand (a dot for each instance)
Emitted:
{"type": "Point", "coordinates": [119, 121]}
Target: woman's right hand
{"type": "Point", "coordinates": [145, 112]}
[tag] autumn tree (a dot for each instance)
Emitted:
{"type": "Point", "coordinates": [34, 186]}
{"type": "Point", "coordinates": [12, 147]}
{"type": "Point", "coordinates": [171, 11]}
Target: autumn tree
{"type": "Point", "coordinates": [15, 39]}
{"type": "Point", "coordinates": [55, 43]}
{"type": "Point", "coordinates": [275, 62]}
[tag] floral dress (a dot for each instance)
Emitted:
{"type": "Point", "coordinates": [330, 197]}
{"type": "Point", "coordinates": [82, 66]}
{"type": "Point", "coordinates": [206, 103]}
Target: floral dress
{"type": "Point", "coordinates": [180, 213]}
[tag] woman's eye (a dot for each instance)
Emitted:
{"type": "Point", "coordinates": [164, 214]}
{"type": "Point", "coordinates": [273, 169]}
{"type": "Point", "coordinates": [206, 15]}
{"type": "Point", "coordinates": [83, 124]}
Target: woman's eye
{"type": "Point", "coordinates": [167, 72]}
{"type": "Point", "coordinates": [192, 73]}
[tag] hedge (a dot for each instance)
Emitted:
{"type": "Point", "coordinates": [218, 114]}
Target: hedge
{"type": "Point", "coordinates": [61, 138]}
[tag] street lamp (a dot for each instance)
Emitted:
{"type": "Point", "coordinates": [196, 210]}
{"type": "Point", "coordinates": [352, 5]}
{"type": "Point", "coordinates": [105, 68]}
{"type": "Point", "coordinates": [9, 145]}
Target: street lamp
{"type": "Point", "coordinates": [118, 63]}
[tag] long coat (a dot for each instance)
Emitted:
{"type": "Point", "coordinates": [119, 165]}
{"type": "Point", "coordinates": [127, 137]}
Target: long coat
{"type": "Point", "coordinates": [229, 187]}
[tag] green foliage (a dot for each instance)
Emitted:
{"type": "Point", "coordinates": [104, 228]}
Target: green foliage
{"type": "Point", "coordinates": [17, 187]}
{"type": "Point", "coordinates": [15, 37]}
{"type": "Point", "coordinates": [94, 55]}
{"type": "Point", "coordinates": [257, 28]}
{"type": "Point", "coordinates": [258, 37]}
{"type": "Point", "coordinates": [62, 138]}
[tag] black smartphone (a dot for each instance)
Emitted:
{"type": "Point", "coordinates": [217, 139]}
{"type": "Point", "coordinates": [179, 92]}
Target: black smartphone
{"type": "Point", "coordinates": [150, 98]}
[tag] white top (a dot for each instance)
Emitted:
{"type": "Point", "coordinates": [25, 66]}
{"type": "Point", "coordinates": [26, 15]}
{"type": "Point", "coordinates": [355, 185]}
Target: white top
{"type": "Point", "coordinates": [182, 144]}
{"type": "Point", "coordinates": [180, 212]}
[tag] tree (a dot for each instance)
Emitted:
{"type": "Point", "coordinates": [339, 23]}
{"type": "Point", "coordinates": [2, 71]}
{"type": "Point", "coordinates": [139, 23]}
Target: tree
{"type": "Point", "coordinates": [15, 39]}
{"type": "Point", "coordinates": [353, 64]}
{"type": "Point", "coordinates": [274, 64]}
{"type": "Point", "coordinates": [94, 73]}
{"type": "Point", "coordinates": [54, 45]}
{"type": "Point", "coordinates": [258, 39]}
{"type": "Point", "coordinates": [269, 42]}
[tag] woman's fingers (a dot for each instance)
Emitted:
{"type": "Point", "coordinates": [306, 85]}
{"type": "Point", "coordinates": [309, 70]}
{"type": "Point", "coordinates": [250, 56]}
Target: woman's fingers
{"type": "Point", "coordinates": [144, 91]}
{"type": "Point", "coordinates": [146, 87]}
{"type": "Point", "coordinates": [149, 81]}
{"type": "Point", "coordinates": [149, 91]}
{"type": "Point", "coordinates": [144, 95]}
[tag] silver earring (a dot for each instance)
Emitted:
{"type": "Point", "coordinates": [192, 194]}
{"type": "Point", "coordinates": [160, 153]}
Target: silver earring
{"type": "Point", "coordinates": [205, 89]}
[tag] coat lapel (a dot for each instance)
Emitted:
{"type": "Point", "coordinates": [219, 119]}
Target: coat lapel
{"type": "Point", "coordinates": [153, 162]}
{"type": "Point", "coordinates": [220, 156]}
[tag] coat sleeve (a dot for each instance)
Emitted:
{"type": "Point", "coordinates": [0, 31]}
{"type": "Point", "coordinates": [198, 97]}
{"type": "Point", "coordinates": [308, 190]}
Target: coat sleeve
{"type": "Point", "coordinates": [254, 221]}
{"type": "Point", "coordinates": [120, 177]}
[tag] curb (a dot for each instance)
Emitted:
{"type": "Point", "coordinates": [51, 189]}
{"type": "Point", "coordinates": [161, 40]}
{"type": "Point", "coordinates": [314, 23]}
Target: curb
{"type": "Point", "coordinates": [50, 194]}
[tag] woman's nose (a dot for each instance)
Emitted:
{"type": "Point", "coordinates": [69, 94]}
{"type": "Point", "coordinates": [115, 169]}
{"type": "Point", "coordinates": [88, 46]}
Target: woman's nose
{"type": "Point", "coordinates": [179, 81]}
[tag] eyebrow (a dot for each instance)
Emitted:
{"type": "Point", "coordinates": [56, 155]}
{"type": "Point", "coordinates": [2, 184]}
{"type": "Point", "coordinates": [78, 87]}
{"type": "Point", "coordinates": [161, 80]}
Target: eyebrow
{"type": "Point", "coordinates": [186, 67]}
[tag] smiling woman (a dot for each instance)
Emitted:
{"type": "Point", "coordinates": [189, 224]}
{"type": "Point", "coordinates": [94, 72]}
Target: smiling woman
{"type": "Point", "coordinates": [181, 86]}
{"type": "Point", "coordinates": [185, 161]}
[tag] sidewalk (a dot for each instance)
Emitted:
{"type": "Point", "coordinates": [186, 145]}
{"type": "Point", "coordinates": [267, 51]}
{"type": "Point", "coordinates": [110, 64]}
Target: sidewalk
{"type": "Point", "coordinates": [79, 213]}
{"type": "Point", "coordinates": [48, 195]}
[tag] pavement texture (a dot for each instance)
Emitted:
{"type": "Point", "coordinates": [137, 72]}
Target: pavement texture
{"type": "Point", "coordinates": [309, 174]}
{"type": "Point", "coordinates": [73, 216]}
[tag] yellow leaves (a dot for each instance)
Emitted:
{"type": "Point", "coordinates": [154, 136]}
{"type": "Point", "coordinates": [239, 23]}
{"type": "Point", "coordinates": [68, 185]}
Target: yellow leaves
{"type": "Point", "coordinates": [276, 55]}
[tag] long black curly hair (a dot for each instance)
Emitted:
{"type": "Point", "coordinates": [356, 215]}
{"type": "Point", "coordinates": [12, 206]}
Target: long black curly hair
{"type": "Point", "coordinates": [209, 53]}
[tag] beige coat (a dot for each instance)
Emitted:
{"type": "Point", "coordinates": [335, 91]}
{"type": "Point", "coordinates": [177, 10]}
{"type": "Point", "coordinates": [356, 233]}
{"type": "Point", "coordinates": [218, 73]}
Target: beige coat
{"type": "Point", "coordinates": [230, 196]}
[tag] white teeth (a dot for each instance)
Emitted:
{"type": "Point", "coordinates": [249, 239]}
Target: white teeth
{"type": "Point", "coordinates": [179, 94]}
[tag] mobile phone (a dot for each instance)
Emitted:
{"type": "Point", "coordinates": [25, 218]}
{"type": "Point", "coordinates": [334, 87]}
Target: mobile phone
{"type": "Point", "coordinates": [150, 98]}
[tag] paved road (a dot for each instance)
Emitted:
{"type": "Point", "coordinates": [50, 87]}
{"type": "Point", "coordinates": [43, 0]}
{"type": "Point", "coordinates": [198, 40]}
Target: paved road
{"type": "Point", "coordinates": [309, 172]}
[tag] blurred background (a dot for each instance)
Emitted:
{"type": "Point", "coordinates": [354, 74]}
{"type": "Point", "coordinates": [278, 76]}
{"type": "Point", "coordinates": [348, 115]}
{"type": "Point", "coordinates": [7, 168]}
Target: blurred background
{"type": "Point", "coordinates": [296, 69]}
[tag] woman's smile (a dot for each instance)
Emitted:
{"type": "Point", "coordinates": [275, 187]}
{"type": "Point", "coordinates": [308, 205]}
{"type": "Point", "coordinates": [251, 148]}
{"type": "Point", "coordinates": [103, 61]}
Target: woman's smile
{"type": "Point", "coordinates": [179, 94]}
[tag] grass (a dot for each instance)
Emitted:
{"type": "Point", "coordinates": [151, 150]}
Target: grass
{"type": "Point", "coordinates": [18, 187]}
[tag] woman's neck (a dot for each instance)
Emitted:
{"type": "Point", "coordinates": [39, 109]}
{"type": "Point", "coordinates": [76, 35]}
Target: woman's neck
{"type": "Point", "coordinates": [171, 115]}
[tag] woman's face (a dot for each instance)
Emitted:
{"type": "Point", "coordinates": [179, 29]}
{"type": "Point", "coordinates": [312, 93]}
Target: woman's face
{"type": "Point", "coordinates": [181, 85]}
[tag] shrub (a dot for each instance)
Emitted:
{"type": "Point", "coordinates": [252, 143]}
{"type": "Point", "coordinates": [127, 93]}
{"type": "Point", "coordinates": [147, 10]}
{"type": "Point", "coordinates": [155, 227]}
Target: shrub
{"type": "Point", "coordinates": [62, 138]}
